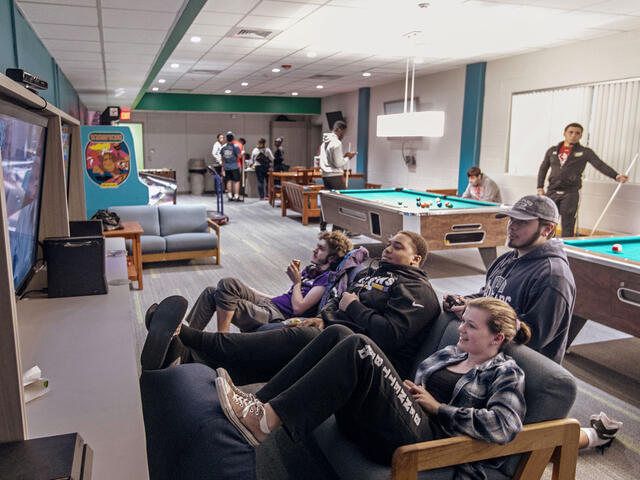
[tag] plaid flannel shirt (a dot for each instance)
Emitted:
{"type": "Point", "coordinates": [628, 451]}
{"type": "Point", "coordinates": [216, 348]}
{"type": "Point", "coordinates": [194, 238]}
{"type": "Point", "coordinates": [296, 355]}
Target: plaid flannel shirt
{"type": "Point", "coordinates": [487, 402]}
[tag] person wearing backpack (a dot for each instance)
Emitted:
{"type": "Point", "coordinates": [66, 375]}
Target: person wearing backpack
{"type": "Point", "coordinates": [231, 170]}
{"type": "Point", "coordinates": [261, 158]}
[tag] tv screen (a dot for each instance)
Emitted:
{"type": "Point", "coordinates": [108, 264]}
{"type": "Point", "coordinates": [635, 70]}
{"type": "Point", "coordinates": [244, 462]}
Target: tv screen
{"type": "Point", "coordinates": [22, 144]}
{"type": "Point", "coordinates": [333, 117]}
{"type": "Point", "coordinates": [66, 151]}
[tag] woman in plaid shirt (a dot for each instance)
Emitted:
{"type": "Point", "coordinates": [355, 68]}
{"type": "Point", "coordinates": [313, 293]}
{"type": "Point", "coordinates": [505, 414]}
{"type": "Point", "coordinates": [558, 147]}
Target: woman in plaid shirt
{"type": "Point", "coordinates": [471, 388]}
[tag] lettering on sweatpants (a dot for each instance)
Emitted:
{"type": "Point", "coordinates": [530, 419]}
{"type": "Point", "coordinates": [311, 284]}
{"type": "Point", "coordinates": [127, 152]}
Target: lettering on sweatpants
{"type": "Point", "coordinates": [394, 383]}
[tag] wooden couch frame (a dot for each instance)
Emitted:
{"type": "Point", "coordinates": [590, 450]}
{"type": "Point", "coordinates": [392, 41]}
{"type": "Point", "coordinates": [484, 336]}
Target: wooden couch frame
{"type": "Point", "coordinates": [186, 255]}
{"type": "Point", "coordinates": [302, 199]}
{"type": "Point", "coordinates": [541, 443]}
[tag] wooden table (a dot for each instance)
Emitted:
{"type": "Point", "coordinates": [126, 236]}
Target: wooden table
{"type": "Point", "coordinates": [131, 231]}
{"type": "Point", "coordinates": [301, 177]}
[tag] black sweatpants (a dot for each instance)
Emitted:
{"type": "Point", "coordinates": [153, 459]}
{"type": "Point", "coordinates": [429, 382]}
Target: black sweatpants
{"type": "Point", "coordinates": [248, 357]}
{"type": "Point", "coordinates": [262, 176]}
{"type": "Point", "coordinates": [332, 183]}
{"type": "Point", "coordinates": [567, 202]}
{"type": "Point", "coordinates": [347, 374]}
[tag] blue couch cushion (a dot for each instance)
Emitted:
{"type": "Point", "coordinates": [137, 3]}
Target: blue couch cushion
{"type": "Point", "coordinates": [184, 242]}
{"type": "Point", "coordinates": [182, 219]}
{"type": "Point", "coordinates": [145, 215]}
{"type": "Point", "coordinates": [188, 435]}
{"type": "Point", "coordinates": [149, 244]}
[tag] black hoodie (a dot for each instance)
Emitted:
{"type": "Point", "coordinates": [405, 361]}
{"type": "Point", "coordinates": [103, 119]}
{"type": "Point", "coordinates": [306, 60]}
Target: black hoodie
{"type": "Point", "coordinates": [396, 308]}
{"type": "Point", "coordinates": [540, 288]}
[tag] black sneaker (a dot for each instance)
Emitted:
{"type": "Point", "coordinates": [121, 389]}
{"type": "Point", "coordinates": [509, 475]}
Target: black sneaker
{"type": "Point", "coordinates": [166, 320]}
{"type": "Point", "coordinates": [149, 315]}
{"type": "Point", "coordinates": [606, 428]}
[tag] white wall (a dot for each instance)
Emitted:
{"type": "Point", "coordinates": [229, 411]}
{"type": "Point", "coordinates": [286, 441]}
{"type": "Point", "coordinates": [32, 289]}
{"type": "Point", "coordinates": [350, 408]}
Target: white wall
{"type": "Point", "coordinates": [437, 159]}
{"type": "Point", "coordinates": [172, 138]}
{"type": "Point", "coordinates": [608, 58]}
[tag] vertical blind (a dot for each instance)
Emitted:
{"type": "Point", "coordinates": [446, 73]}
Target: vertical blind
{"type": "Point", "coordinates": [609, 112]}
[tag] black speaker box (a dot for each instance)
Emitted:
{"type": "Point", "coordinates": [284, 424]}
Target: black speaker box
{"type": "Point", "coordinates": [75, 266]}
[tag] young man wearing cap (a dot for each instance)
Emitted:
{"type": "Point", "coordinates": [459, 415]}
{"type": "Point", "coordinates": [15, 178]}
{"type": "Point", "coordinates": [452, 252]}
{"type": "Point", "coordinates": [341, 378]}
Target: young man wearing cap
{"type": "Point", "coordinates": [568, 160]}
{"type": "Point", "coordinates": [230, 168]}
{"type": "Point", "coordinates": [534, 278]}
{"type": "Point", "coordinates": [333, 161]}
{"type": "Point", "coordinates": [481, 187]}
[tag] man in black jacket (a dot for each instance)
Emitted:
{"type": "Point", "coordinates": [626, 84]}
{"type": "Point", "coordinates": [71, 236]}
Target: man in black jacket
{"type": "Point", "coordinates": [394, 305]}
{"type": "Point", "coordinates": [534, 278]}
{"type": "Point", "coordinates": [568, 160]}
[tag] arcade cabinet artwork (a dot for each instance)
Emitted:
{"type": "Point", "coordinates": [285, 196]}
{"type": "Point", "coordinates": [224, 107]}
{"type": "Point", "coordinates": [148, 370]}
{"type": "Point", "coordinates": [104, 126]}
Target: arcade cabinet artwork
{"type": "Point", "coordinates": [108, 161]}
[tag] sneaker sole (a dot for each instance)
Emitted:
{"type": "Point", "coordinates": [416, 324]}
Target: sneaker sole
{"type": "Point", "coordinates": [227, 409]}
{"type": "Point", "coordinates": [166, 319]}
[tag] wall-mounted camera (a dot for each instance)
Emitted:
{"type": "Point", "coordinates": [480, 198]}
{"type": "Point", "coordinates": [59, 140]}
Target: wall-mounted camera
{"type": "Point", "coordinates": [29, 80]}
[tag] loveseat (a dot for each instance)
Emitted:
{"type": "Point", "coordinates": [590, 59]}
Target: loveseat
{"type": "Point", "coordinates": [173, 232]}
{"type": "Point", "coordinates": [547, 437]}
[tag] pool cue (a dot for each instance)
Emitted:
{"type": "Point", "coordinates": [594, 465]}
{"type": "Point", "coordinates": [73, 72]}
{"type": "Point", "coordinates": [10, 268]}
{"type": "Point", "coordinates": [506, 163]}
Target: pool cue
{"type": "Point", "coordinates": [614, 195]}
{"type": "Point", "coordinates": [346, 181]}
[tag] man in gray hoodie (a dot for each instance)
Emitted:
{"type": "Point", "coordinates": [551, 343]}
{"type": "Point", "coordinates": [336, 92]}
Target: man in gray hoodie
{"type": "Point", "coordinates": [534, 278]}
{"type": "Point", "coordinates": [333, 161]}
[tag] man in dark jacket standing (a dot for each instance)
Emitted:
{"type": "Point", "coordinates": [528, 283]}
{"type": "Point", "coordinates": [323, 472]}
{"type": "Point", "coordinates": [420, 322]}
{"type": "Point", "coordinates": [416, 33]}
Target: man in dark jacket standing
{"type": "Point", "coordinates": [568, 160]}
{"type": "Point", "coordinates": [534, 278]}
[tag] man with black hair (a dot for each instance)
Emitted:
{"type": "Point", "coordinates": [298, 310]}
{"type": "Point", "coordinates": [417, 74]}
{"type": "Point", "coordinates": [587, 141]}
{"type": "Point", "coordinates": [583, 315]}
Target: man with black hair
{"type": "Point", "coordinates": [230, 154]}
{"type": "Point", "coordinates": [333, 161]}
{"type": "Point", "coordinates": [481, 187]}
{"type": "Point", "coordinates": [534, 278]}
{"type": "Point", "coordinates": [278, 156]}
{"type": "Point", "coordinates": [567, 161]}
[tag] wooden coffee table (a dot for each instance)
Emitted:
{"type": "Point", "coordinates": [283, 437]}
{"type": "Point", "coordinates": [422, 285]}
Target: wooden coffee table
{"type": "Point", "coordinates": [131, 231]}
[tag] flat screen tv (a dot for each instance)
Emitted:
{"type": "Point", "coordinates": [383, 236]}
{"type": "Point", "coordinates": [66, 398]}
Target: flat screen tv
{"type": "Point", "coordinates": [333, 117]}
{"type": "Point", "coordinates": [22, 146]}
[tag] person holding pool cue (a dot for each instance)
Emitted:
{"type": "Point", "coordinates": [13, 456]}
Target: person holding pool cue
{"type": "Point", "coordinates": [567, 161]}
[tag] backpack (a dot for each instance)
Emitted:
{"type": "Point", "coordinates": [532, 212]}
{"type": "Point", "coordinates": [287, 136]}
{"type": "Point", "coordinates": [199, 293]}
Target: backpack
{"type": "Point", "coordinates": [263, 159]}
{"type": "Point", "coordinates": [110, 220]}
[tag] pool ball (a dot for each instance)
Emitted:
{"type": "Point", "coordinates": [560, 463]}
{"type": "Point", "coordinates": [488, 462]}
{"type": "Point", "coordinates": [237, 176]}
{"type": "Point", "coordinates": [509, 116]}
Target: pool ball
{"type": "Point", "coordinates": [439, 204]}
{"type": "Point", "coordinates": [424, 204]}
{"type": "Point", "coordinates": [448, 205]}
{"type": "Point", "coordinates": [617, 248]}
{"type": "Point", "coordinates": [400, 202]}
{"type": "Point", "coordinates": [418, 199]}
{"type": "Point", "coordinates": [437, 199]}
{"type": "Point", "coordinates": [428, 203]}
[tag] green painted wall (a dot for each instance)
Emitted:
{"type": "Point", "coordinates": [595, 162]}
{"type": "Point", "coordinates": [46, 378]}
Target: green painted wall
{"type": "Point", "coordinates": [229, 103]}
{"type": "Point", "coordinates": [17, 39]}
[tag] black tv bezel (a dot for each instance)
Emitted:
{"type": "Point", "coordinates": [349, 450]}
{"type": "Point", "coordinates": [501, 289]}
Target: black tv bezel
{"type": "Point", "coordinates": [336, 120]}
{"type": "Point", "coordinates": [12, 110]}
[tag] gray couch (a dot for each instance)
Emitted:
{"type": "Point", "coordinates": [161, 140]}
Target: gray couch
{"type": "Point", "coordinates": [173, 232]}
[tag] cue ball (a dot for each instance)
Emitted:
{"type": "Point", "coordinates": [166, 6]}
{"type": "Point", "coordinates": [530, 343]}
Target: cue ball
{"type": "Point", "coordinates": [437, 199]}
{"type": "Point", "coordinates": [617, 248]}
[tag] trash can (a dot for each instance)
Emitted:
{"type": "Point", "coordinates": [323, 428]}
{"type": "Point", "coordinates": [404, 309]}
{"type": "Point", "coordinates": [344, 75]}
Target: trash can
{"type": "Point", "coordinates": [197, 170]}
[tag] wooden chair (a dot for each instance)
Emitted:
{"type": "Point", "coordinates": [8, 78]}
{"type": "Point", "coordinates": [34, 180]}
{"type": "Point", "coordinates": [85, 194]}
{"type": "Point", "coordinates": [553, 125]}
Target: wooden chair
{"type": "Point", "coordinates": [302, 199]}
{"type": "Point", "coordinates": [555, 442]}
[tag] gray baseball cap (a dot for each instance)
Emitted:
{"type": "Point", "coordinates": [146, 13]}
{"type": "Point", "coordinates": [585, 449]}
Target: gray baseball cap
{"type": "Point", "coordinates": [532, 207]}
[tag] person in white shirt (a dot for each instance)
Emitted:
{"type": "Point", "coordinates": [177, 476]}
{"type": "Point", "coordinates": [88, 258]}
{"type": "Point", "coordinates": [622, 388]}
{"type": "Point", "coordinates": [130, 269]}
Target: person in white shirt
{"type": "Point", "coordinates": [215, 151]}
{"type": "Point", "coordinates": [481, 187]}
{"type": "Point", "coordinates": [261, 158]}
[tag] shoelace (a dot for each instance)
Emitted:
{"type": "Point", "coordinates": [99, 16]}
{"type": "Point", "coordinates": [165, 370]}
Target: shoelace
{"type": "Point", "coordinates": [257, 408]}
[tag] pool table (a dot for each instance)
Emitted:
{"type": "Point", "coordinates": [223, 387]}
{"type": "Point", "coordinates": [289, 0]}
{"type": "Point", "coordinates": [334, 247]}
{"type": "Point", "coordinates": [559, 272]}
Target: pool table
{"type": "Point", "coordinates": [607, 283]}
{"type": "Point", "coordinates": [380, 213]}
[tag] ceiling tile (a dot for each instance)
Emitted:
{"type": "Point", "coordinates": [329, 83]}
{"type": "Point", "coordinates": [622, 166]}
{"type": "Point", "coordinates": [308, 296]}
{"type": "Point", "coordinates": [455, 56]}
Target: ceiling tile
{"type": "Point", "coordinates": [60, 14]}
{"type": "Point", "coordinates": [70, 65]}
{"type": "Point", "coordinates": [267, 23]}
{"type": "Point", "coordinates": [283, 9]}
{"type": "Point", "coordinates": [623, 7]}
{"type": "Point", "coordinates": [78, 3]}
{"type": "Point", "coordinates": [126, 57]}
{"type": "Point", "coordinates": [74, 55]}
{"type": "Point", "coordinates": [212, 18]}
{"type": "Point", "coordinates": [46, 31]}
{"type": "Point", "coordinates": [150, 5]}
{"type": "Point", "coordinates": [73, 45]}
{"type": "Point", "coordinates": [206, 31]}
{"type": "Point", "coordinates": [137, 19]}
{"type": "Point", "coordinates": [136, 48]}
{"type": "Point", "coordinates": [155, 37]}
{"type": "Point", "coordinates": [225, 6]}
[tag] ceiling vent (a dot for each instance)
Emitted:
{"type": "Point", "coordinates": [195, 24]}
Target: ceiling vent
{"type": "Point", "coordinates": [325, 77]}
{"type": "Point", "coordinates": [252, 33]}
{"type": "Point", "coordinates": [204, 71]}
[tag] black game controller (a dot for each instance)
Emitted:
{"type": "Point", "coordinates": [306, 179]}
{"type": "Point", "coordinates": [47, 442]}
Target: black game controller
{"type": "Point", "coordinates": [452, 301]}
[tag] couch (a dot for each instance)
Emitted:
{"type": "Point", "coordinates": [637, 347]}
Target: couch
{"type": "Point", "coordinates": [173, 232]}
{"type": "Point", "coordinates": [547, 436]}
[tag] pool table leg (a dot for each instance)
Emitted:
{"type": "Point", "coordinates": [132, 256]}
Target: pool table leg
{"type": "Point", "coordinates": [574, 329]}
{"type": "Point", "coordinates": [488, 254]}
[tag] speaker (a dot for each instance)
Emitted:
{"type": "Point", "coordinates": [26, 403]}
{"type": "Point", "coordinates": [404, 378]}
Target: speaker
{"type": "Point", "coordinates": [75, 266]}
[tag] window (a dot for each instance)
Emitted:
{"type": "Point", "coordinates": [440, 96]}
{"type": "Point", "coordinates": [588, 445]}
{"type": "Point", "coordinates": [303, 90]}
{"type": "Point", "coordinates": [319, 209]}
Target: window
{"type": "Point", "coordinates": [609, 112]}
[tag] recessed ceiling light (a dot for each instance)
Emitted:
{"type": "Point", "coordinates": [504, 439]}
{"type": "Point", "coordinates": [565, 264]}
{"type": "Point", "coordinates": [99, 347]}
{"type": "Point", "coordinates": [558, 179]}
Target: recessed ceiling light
{"type": "Point", "coordinates": [175, 65]}
{"type": "Point", "coordinates": [155, 89]}
{"type": "Point", "coordinates": [244, 84]}
{"type": "Point", "coordinates": [195, 39]}
{"type": "Point", "coordinates": [366, 74]}
{"type": "Point", "coordinates": [312, 54]}
{"type": "Point", "coordinates": [275, 70]}
{"type": "Point", "coordinates": [227, 91]}
{"type": "Point", "coordinates": [161, 80]}
{"type": "Point", "coordinates": [295, 94]}
{"type": "Point", "coordinates": [319, 86]}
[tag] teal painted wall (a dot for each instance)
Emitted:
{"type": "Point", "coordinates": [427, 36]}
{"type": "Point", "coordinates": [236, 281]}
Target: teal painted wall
{"type": "Point", "coordinates": [20, 47]}
{"type": "Point", "coordinates": [471, 121]}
